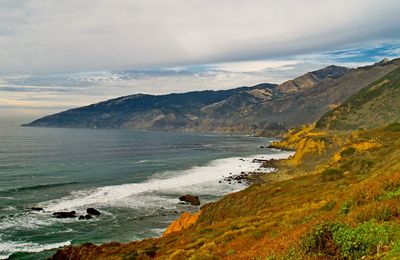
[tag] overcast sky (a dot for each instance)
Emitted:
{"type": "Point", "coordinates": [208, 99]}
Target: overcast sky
{"type": "Point", "coordinates": [60, 54]}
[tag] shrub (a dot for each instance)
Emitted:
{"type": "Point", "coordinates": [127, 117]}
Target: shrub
{"type": "Point", "coordinates": [257, 234]}
{"type": "Point", "coordinates": [230, 252]}
{"type": "Point", "coordinates": [342, 241]}
{"type": "Point", "coordinates": [394, 252]}
{"type": "Point", "coordinates": [394, 127]}
{"type": "Point", "coordinates": [329, 205]}
{"type": "Point", "coordinates": [348, 152]}
{"type": "Point", "coordinates": [390, 195]}
{"type": "Point", "coordinates": [332, 174]}
{"type": "Point", "coordinates": [318, 241]}
{"type": "Point", "coordinates": [151, 251]}
{"type": "Point", "coordinates": [345, 208]}
{"type": "Point", "coordinates": [365, 239]}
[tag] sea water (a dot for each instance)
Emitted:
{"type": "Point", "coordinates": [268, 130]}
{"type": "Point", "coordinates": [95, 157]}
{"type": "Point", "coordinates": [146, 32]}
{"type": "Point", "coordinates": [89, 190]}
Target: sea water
{"type": "Point", "coordinates": [134, 178]}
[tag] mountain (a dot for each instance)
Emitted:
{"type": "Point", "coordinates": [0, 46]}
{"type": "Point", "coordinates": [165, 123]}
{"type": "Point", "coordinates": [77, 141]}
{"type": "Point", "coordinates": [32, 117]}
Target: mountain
{"type": "Point", "coordinates": [373, 106]}
{"type": "Point", "coordinates": [337, 198]}
{"type": "Point", "coordinates": [262, 108]}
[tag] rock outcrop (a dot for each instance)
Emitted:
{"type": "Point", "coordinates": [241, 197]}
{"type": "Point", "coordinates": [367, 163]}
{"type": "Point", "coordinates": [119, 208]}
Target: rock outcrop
{"type": "Point", "coordinates": [194, 200]}
{"type": "Point", "coordinates": [184, 221]}
{"type": "Point", "coordinates": [93, 211]}
{"type": "Point", "coordinates": [65, 214]}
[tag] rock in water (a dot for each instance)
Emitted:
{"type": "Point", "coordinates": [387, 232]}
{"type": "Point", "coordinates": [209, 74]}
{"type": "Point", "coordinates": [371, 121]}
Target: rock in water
{"type": "Point", "coordinates": [84, 217]}
{"type": "Point", "coordinates": [65, 214]}
{"type": "Point", "coordinates": [93, 211]}
{"type": "Point", "coordinates": [36, 208]}
{"type": "Point", "coordinates": [194, 200]}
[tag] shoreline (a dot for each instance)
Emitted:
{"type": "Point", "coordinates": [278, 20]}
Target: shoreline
{"type": "Point", "coordinates": [251, 177]}
{"type": "Point", "coordinates": [248, 171]}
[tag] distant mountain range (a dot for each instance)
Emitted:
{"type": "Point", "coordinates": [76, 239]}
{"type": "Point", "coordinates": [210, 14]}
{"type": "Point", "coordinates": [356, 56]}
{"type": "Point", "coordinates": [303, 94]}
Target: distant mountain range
{"type": "Point", "coordinates": [261, 109]}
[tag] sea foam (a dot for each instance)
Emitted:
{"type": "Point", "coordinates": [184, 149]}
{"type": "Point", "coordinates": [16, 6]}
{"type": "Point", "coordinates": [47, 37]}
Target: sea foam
{"type": "Point", "coordinates": [7, 248]}
{"type": "Point", "coordinates": [158, 191]}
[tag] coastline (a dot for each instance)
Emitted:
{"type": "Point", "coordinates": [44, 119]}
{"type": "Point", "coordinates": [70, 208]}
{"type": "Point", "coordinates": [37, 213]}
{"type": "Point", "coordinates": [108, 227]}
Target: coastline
{"type": "Point", "coordinates": [187, 218]}
{"type": "Point", "coordinates": [246, 164]}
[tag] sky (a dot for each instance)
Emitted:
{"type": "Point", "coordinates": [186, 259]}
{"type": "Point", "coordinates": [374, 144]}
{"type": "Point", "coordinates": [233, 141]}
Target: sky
{"type": "Point", "coordinates": [56, 55]}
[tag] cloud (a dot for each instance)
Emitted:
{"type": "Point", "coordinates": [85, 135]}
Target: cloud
{"type": "Point", "coordinates": [81, 35]}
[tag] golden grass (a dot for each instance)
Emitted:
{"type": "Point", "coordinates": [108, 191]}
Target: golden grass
{"type": "Point", "coordinates": [269, 220]}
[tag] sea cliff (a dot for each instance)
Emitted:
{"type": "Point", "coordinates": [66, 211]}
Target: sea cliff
{"type": "Point", "coordinates": [341, 190]}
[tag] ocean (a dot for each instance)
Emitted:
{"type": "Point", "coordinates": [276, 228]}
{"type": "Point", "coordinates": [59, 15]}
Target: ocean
{"type": "Point", "coordinates": [134, 178]}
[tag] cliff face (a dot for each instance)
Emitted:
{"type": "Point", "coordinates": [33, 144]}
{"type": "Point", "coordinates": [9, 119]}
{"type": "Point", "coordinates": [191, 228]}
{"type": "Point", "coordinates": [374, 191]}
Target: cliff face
{"type": "Point", "coordinates": [183, 222]}
{"type": "Point", "coordinates": [265, 108]}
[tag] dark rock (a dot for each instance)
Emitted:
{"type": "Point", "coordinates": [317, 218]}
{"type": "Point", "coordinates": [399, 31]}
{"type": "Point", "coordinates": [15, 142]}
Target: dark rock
{"type": "Point", "coordinates": [194, 200]}
{"type": "Point", "coordinates": [64, 214]}
{"type": "Point", "coordinates": [36, 208]}
{"type": "Point", "coordinates": [84, 217]}
{"type": "Point", "coordinates": [93, 211]}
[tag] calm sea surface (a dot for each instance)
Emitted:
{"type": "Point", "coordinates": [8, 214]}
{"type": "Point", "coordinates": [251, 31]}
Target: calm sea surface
{"type": "Point", "coordinates": [133, 177]}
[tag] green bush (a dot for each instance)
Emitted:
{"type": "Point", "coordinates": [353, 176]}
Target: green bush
{"type": "Point", "coordinates": [345, 208]}
{"type": "Point", "coordinates": [318, 240]}
{"type": "Point", "coordinates": [390, 195]}
{"type": "Point", "coordinates": [342, 241]}
{"type": "Point", "coordinates": [363, 240]}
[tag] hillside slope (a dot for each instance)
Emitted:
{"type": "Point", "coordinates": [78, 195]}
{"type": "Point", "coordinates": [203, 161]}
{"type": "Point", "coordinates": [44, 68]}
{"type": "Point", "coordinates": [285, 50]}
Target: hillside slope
{"type": "Point", "coordinates": [338, 197]}
{"type": "Point", "coordinates": [346, 207]}
{"type": "Point", "coordinates": [375, 105]}
{"type": "Point", "coordinates": [265, 107]}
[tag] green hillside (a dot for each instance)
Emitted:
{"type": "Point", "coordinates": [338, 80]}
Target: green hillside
{"type": "Point", "coordinates": [375, 105]}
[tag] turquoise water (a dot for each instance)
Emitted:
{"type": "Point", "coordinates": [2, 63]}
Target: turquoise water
{"type": "Point", "coordinates": [133, 177]}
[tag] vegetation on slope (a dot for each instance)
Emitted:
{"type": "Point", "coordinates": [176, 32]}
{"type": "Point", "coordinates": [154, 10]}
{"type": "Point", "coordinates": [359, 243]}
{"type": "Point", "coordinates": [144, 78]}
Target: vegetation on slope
{"type": "Point", "coordinates": [346, 206]}
{"type": "Point", "coordinates": [371, 107]}
{"type": "Point", "coordinates": [337, 197]}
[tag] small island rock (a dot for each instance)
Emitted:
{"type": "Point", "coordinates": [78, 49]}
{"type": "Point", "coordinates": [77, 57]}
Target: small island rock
{"type": "Point", "coordinates": [64, 214]}
{"type": "Point", "coordinates": [194, 200]}
{"type": "Point", "coordinates": [93, 211]}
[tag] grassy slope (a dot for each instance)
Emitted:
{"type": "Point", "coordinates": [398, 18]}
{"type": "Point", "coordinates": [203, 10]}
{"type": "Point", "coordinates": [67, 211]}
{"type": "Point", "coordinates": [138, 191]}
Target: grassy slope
{"type": "Point", "coordinates": [341, 200]}
{"type": "Point", "coordinates": [338, 197]}
{"type": "Point", "coordinates": [373, 106]}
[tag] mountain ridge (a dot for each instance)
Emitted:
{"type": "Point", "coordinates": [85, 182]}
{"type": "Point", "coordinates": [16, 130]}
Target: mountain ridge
{"type": "Point", "coordinates": [262, 109]}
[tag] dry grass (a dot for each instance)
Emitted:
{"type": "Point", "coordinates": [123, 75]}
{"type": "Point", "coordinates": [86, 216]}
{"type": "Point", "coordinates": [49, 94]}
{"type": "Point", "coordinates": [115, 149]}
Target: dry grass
{"type": "Point", "coordinates": [273, 219]}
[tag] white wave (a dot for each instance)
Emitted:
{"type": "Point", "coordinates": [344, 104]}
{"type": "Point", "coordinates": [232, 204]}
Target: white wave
{"type": "Point", "coordinates": [201, 180]}
{"type": "Point", "coordinates": [7, 248]}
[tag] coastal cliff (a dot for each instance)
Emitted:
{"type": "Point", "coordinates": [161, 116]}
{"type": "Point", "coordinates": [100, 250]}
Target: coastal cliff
{"type": "Point", "coordinates": [337, 197]}
{"type": "Point", "coordinates": [329, 195]}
